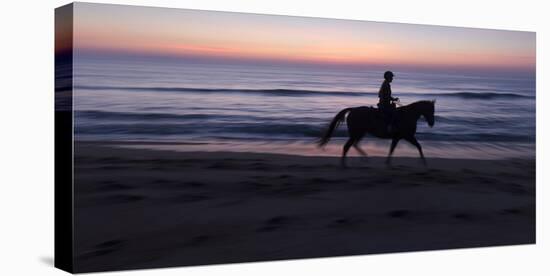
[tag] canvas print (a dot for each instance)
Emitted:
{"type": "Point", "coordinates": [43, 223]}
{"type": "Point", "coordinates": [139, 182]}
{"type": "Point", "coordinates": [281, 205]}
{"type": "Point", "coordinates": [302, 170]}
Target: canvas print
{"type": "Point", "coordinates": [190, 137]}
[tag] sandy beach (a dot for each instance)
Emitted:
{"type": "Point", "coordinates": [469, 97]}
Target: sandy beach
{"type": "Point", "coordinates": [140, 208]}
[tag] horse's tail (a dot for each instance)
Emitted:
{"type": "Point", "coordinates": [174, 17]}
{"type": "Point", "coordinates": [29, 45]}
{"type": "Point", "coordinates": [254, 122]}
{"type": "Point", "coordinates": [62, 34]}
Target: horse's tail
{"type": "Point", "coordinates": [333, 125]}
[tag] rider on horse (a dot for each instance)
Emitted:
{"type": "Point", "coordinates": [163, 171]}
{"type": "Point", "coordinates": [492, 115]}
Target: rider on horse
{"type": "Point", "coordinates": [386, 103]}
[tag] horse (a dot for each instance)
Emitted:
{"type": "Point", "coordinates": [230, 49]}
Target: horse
{"type": "Point", "coordinates": [362, 120]}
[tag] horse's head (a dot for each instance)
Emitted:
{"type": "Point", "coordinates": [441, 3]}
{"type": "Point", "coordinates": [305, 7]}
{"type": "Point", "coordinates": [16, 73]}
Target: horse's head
{"type": "Point", "coordinates": [428, 111]}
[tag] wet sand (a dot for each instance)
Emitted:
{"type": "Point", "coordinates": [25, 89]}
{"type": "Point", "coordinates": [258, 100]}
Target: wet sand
{"type": "Point", "coordinates": [137, 208]}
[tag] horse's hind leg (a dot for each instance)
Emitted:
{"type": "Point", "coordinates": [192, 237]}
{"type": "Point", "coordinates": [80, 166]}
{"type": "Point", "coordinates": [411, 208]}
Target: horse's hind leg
{"type": "Point", "coordinates": [413, 141]}
{"type": "Point", "coordinates": [348, 144]}
{"type": "Point", "coordinates": [359, 149]}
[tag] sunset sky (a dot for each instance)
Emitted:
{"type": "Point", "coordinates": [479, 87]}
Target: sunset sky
{"type": "Point", "coordinates": [177, 32]}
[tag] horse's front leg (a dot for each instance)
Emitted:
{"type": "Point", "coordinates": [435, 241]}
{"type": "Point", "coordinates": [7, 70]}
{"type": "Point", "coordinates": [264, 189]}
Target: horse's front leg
{"type": "Point", "coordinates": [392, 148]}
{"type": "Point", "coordinates": [413, 141]}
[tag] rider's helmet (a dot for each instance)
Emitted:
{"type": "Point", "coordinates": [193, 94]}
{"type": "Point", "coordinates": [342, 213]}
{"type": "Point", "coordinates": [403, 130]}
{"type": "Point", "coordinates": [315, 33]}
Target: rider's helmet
{"type": "Point", "coordinates": [388, 75]}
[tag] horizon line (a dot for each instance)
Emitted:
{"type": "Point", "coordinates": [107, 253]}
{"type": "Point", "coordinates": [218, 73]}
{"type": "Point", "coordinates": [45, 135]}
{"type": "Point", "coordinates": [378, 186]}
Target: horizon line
{"type": "Point", "coordinates": [242, 60]}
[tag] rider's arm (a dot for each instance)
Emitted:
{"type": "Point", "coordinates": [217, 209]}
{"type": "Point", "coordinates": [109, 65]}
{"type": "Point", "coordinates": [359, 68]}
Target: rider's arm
{"type": "Point", "coordinates": [385, 92]}
{"type": "Point", "coordinates": [389, 93]}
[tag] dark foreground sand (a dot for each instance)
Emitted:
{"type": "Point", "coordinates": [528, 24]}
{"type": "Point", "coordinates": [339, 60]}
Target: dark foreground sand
{"type": "Point", "coordinates": [139, 208]}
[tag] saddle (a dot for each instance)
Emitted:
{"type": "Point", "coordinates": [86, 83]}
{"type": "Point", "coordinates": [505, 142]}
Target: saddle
{"type": "Point", "coordinates": [382, 113]}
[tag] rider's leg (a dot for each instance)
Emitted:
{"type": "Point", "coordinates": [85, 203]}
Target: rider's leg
{"type": "Point", "coordinates": [390, 121]}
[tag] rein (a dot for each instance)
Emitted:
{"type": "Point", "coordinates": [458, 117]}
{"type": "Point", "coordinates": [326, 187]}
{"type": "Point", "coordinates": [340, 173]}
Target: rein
{"type": "Point", "coordinates": [398, 103]}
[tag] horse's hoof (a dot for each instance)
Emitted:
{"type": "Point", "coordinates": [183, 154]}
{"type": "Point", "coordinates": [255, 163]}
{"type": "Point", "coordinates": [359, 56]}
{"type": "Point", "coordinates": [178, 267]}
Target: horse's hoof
{"type": "Point", "coordinates": [424, 162]}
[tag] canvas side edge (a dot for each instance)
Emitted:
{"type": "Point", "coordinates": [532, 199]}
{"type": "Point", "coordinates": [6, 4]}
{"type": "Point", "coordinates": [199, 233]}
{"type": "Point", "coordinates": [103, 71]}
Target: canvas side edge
{"type": "Point", "coordinates": [64, 190]}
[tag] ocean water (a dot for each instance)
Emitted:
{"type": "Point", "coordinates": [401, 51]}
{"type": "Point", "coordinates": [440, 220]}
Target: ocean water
{"type": "Point", "coordinates": [205, 106]}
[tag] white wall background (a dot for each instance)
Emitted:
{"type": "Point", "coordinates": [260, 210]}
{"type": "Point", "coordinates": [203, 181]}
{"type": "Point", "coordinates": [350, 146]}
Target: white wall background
{"type": "Point", "coordinates": [26, 133]}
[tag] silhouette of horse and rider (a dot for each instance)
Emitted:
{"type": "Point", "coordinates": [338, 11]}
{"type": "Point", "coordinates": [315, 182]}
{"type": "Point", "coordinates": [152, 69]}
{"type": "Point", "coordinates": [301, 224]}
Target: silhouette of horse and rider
{"type": "Point", "coordinates": [386, 121]}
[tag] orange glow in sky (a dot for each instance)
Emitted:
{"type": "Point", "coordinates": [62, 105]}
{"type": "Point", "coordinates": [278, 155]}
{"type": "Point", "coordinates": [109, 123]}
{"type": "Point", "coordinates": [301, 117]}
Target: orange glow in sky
{"type": "Point", "coordinates": [251, 36]}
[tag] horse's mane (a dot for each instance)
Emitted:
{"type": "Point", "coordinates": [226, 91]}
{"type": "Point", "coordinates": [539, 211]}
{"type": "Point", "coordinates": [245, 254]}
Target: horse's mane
{"type": "Point", "coordinates": [415, 104]}
{"type": "Point", "coordinates": [403, 107]}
